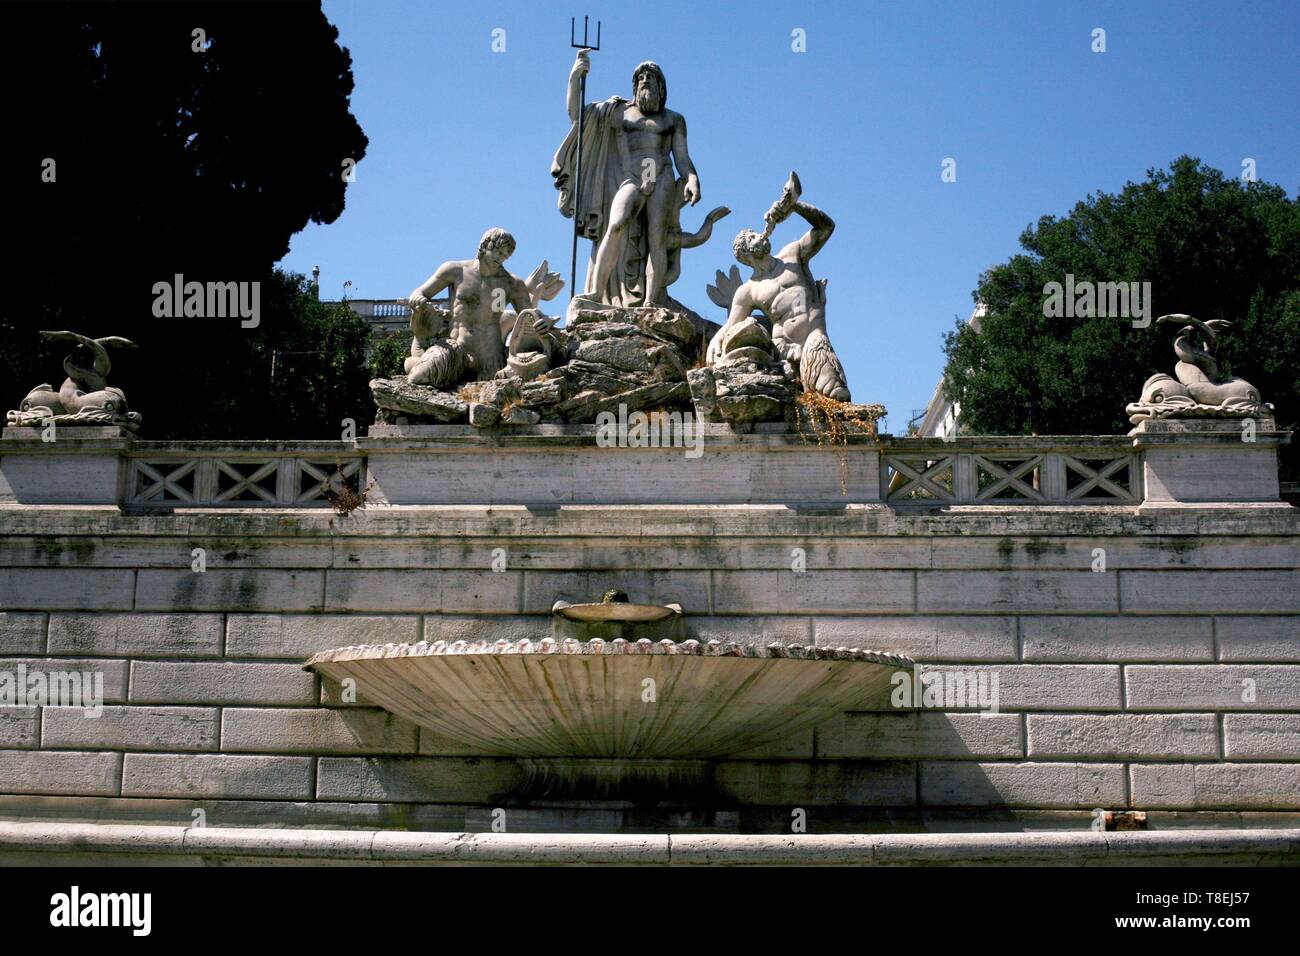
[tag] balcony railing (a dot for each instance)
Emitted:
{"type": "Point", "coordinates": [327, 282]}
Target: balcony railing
{"type": "Point", "coordinates": [230, 479]}
{"type": "Point", "coordinates": [1010, 471]}
{"type": "Point", "coordinates": [386, 314]}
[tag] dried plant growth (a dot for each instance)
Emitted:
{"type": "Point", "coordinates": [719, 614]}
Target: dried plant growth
{"type": "Point", "coordinates": [830, 422]}
{"type": "Point", "coordinates": [342, 495]}
{"type": "Point", "coordinates": [473, 392]}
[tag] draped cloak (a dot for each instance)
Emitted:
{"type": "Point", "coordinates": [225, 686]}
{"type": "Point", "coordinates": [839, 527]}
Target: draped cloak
{"type": "Point", "coordinates": [602, 174]}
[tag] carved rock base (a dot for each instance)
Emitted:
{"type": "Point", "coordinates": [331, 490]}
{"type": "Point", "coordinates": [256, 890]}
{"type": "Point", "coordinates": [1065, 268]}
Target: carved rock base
{"type": "Point", "coordinates": [398, 398]}
{"type": "Point", "coordinates": [633, 358]}
{"type": "Point", "coordinates": [741, 392]}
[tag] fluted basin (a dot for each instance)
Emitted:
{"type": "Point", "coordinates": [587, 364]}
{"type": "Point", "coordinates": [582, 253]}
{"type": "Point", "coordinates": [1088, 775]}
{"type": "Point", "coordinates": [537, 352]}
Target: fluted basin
{"type": "Point", "coordinates": [613, 699]}
{"type": "Point", "coordinates": [615, 612]}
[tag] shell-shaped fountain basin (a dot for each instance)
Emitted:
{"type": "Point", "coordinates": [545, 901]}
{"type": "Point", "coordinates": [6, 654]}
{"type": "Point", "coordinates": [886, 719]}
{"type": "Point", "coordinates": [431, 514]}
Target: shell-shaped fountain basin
{"type": "Point", "coordinates": [614, 699]}
{"type": "Point", "coordinates": [616, 612]}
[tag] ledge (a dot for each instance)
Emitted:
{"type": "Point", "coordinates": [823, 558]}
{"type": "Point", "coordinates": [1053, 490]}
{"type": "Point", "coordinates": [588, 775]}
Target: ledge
{"type": "Point", "coordinates": [652, 521]}
{"type": "Point", "coordinates": [395, 438]}
{"type": "Point", "coordinates": [64, 843]}
{"type": "Point", "coordinates": [1201, 433]}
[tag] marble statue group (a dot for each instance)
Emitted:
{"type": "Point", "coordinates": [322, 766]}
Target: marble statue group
{"type": "Point", "coordinates": [625, 176]}
{"type": "Point", "coordinates": [488, 354]}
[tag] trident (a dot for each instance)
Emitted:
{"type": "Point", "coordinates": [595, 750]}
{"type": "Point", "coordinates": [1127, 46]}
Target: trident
{"type": "Point", "coordinates": [577, 164]}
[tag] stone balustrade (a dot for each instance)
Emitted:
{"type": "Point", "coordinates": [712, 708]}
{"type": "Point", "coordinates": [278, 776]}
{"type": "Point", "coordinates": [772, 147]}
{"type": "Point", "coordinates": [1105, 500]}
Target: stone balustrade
{"type": "Point", "coordinates": [1160, 463]}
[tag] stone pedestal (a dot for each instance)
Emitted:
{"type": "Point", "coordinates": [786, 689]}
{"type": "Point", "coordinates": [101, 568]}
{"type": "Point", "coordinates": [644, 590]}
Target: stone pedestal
{"type": "Point", "coordinates": [82, 465]}
{"type": "Point", "coordinates": [1209, 460]}
{"type": "Point", "coordinates": [556, 465]}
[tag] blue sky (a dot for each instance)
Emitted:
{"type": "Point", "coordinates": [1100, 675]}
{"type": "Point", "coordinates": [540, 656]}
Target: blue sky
{"type": "Point", "coordinates": [461, 138]}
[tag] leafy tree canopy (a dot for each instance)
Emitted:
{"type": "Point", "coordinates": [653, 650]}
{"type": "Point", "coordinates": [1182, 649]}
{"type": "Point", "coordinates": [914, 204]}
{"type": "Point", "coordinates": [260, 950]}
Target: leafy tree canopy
{"type": "Point", "coordinates": [142, 150]}
{"type": "Point", "coordinates": [1209, 245]}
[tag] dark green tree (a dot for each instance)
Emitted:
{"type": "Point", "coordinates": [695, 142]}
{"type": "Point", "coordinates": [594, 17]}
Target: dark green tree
{"type": "Point", "coordinates": [388, 350]}
{"type": "Point", "coordinates": [154, 139]}
{"type": "Point", "coordinates": [1211, 246]}
{"type": "Point", "coordinates": [310, 363]}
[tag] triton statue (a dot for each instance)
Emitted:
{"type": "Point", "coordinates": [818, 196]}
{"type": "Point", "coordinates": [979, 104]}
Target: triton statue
{"type": "Point", "coordinates": [468, 343]}
{"type": "Point", "coordinates": [783, 289]}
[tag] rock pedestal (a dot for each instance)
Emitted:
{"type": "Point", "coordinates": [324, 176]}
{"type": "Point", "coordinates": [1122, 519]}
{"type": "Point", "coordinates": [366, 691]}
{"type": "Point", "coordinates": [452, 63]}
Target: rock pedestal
{"type": "Point", "coordinates": [742, 392]}
{"type": "Point", "coordinates": [636, 358]}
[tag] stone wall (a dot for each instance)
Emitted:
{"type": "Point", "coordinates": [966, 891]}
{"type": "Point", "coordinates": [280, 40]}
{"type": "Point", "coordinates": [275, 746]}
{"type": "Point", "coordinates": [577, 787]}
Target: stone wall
{"type": "Point", "coordinates": [1170, 681]}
